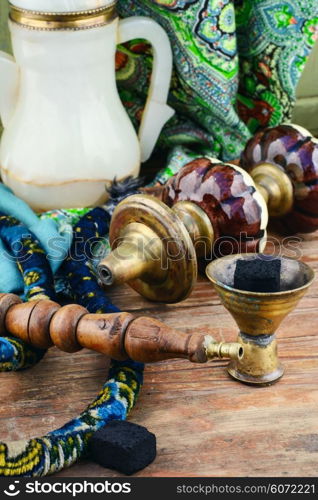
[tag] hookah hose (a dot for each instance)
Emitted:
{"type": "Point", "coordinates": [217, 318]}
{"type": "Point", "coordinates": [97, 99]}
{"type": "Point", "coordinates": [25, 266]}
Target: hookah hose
{"type": "Point", "coordinates": [63, 447]}
{"type": "Point", "coordinates": [38, 284]}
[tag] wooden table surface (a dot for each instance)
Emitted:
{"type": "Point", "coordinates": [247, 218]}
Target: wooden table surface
{"type": "Point", "coordinates": [206, 424]}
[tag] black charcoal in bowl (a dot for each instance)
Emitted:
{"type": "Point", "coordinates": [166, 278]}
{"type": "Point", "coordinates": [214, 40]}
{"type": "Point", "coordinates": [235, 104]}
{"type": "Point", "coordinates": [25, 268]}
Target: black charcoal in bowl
{"type": "Point", "coordinates": [258, 275]}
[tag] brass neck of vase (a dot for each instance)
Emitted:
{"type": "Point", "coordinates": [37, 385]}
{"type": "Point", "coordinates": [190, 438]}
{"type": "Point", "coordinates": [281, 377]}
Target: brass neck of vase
{"type": "Point", "coordinates": [276, 188]}
{"type": "Point", "coordinates": [54, 21]}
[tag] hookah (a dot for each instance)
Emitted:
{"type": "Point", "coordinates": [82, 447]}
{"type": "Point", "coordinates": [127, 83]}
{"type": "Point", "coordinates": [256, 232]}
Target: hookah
{"type": "Point", "coordinates": [205, 208]}
{"type": "Point", "coordinates": [43, 323]}
{"type": "Point", "coordinates": [157, 243]}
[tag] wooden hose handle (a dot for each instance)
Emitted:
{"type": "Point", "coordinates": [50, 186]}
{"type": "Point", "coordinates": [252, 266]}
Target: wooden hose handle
{"type": "Point", "coordinates": [45, 323]}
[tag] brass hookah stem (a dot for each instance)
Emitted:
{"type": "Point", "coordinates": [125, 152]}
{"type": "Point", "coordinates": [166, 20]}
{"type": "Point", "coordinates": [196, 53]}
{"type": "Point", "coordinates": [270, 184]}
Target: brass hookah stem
{"type": "Point", "coordinates": [121, 336]}
{"type": "Point", "coordinates": [276, 188]}
{"type": "Point", "coordinates": [198, 226]}
{"type": "Point", "coordinates": [141, 253]}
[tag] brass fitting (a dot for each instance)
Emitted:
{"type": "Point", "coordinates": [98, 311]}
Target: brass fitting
{"type": "Point", "coordinates": [221, 350]}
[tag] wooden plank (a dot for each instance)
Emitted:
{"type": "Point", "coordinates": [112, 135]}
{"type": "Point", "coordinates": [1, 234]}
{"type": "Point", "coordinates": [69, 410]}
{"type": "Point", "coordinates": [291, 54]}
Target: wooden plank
{"type": "Point", "coordinates": [206, 424]}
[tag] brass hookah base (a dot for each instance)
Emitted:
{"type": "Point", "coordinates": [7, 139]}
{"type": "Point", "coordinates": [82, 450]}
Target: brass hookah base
{"type": "Point", "coordinates": [261, 365]}
{"type": "Point", "coordinates": [258, 315]}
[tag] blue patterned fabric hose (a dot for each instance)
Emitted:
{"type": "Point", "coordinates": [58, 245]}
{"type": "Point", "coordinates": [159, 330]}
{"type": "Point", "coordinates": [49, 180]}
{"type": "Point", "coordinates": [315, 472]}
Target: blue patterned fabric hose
{"type": "Point", "coordinates": [63, 447]}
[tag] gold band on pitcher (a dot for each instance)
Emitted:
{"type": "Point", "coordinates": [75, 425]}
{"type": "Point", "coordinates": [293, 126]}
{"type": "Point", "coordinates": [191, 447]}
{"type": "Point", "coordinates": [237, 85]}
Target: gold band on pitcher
{"type": "Point", "coordinates": [52, 21]}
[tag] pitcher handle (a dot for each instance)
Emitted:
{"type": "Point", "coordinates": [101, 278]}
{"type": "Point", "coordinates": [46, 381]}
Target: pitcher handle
{"type": "Point", "coordinates": [156, 112]}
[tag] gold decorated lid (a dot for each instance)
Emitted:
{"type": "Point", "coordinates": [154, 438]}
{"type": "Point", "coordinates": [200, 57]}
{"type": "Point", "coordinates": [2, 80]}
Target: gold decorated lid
{"type": "Point", "coordinates": [46, 15]}
{"type": "Point", "coordinates": [61, 5]}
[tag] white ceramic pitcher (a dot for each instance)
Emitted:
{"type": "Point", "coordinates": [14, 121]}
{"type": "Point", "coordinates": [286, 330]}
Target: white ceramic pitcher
{"type": "Point", "coordinates": [66, 131]}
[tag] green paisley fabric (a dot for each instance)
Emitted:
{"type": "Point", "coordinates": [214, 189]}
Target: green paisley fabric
{"type": "Point", "coordinates": [236, 67]}
{"type": "Point", "coordinates": [5, 42]}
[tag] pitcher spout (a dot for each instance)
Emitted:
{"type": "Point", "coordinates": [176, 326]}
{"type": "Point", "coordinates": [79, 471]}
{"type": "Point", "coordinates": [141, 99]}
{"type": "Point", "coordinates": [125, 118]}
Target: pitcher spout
{"type": "Point", "coordinates": [9, 85]}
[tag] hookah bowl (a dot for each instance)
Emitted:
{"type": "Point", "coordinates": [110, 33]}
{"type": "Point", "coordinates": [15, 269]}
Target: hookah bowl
{"type": "Point", "coordinates": [258, 315]}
